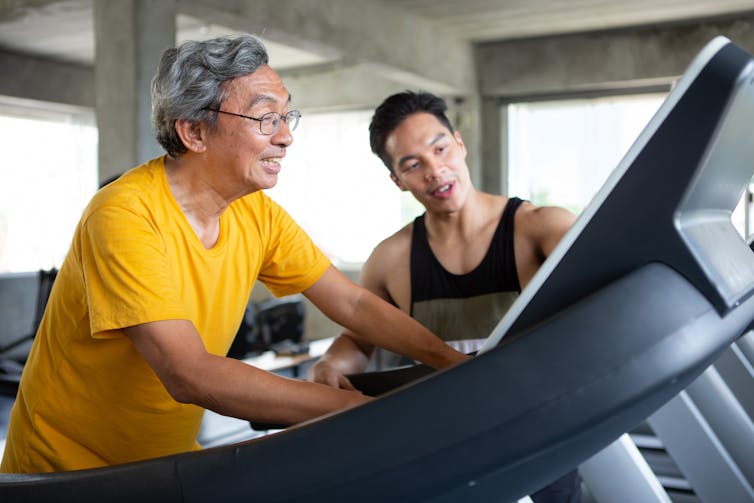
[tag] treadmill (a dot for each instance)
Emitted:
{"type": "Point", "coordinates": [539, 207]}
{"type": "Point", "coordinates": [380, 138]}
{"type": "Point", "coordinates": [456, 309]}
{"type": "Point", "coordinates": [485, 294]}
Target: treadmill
{"type": "Point", "coordinates": [649, 287]}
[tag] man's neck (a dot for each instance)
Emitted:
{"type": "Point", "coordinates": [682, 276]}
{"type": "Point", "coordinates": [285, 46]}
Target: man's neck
{"type": "Point", "coordinates": [460, 241]}
{"type": "Point", "coordinates": [198, 198]}
{"type": "Point", "coordinates": [478, 212]}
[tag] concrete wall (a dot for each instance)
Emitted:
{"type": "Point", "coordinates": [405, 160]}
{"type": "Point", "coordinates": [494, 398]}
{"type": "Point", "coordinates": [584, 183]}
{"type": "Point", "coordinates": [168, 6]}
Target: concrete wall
{"type": "Point", "coordinates": [34, 78]}
{"type": "Point", "coordinates": [609, 62]}
{"type": "Point", "coordinates": [600, 61]}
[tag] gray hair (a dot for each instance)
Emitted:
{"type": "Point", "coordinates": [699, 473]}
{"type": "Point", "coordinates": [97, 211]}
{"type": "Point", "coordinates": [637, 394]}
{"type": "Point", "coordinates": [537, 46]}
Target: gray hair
{"type": "Point", "coordinates": [190, 80]}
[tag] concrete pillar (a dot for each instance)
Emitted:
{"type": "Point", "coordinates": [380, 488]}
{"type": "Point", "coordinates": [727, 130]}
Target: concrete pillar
{"type": "Point", "coordinates": [130, 36]}
{"type": "Point", "coordinates": [494, 140]}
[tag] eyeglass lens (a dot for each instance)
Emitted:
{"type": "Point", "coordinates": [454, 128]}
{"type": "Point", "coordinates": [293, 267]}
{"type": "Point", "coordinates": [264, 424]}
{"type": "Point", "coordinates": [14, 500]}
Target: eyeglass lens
{"type": "Point", "coordinates": [270, 123]}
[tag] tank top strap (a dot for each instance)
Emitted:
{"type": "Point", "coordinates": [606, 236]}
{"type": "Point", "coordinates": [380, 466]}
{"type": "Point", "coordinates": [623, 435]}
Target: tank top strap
{"type": "Point", "coordinates": [502, 250]}
{"type": "Point", "coordinates": [420, 260]}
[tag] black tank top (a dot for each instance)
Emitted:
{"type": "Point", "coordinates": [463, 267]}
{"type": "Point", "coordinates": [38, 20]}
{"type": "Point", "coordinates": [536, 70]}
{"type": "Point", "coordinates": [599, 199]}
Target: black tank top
{"type": "Point", "coordinates": [467, 306]}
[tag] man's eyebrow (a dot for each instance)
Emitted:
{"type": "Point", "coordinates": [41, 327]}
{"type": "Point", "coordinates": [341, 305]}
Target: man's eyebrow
{"type": "Point", "coordinates": [265, 98]}
{"type": "Point", "coordinates": [431, 142]}
{"type": "Point", "coordinates": [437, 138]}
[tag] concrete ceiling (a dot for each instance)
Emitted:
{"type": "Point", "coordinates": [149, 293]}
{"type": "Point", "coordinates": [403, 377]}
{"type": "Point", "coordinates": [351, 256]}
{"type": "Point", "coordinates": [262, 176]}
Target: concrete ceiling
{"type": "Point", "coordinates": [488, 20]}
{"type": "Point", "coordinates": [63, 29]}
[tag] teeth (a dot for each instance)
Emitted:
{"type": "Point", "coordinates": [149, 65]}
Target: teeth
{"type": "Point", "coordinates": [444, 188]}
{"type": "Point", "coordinates": [273, 159]}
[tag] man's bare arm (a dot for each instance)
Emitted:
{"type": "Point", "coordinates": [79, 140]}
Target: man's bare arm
{"type": "Point", "coordinates": [348, 354]}
{"type": "Point", "coordinates": [375, 321]}
{"type": "Point", "coordinates": [174, 349]}
{"type": "Point", "coordinates": [538, 231]}
{"type": "Point", "coordinates": [551, 224]}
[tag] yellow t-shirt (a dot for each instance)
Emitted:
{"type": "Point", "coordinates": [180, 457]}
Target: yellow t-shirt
{"type": "Point", "coordinates": [87, 398]}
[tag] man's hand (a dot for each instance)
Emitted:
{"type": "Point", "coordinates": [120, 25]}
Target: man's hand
{"type": "Point", "coordinates": [344, 356]}
{"type": "Point", "coordinates": [324, 373]}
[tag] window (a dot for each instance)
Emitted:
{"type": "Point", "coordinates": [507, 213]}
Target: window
{"type": "Point", "coordinates": [561, 152]}
{"type": "Point", "coordinates": [48, 175]}
{"type": "Point", "coordinates": [337, 190]}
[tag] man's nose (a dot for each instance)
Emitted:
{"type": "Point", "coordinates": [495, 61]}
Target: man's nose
{"type": "Point", "coordinates": [283, 136]}
{"type": "Point", "coordinates": [433, 169]}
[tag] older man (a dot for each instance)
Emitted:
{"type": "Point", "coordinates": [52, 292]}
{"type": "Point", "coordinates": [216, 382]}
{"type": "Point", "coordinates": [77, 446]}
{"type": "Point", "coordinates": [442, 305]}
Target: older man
{"type": "Point", "coordinates": [132, 345]}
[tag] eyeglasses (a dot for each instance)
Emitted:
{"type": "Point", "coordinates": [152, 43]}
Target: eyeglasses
{"type": "Point", "coordinates": [269, 123]}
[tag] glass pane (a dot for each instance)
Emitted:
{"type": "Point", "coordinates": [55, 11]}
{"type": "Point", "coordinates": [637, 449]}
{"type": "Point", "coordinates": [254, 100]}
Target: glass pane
{"type": "Point", "coordinates": [560, 152]}
{"type": "Point", "coordinates": [48, 175]}
{"type": "Point", "coordinates": [337, 190]}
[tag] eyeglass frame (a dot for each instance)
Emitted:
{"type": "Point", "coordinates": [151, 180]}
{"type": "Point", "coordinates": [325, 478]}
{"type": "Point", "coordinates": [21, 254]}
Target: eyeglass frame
{"type": "Point", "coordinates": [295, 114]}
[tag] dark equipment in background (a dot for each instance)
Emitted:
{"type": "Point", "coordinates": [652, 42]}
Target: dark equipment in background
{"type": "Point", "coordinates": [11, 365]}
{"type": "Point", "coordinates": [272, 325]}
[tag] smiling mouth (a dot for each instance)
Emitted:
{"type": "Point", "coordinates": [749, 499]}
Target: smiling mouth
{"type": "Point", "coordinates": [442, 189]}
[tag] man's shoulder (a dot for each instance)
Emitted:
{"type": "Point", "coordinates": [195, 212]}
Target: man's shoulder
{"type": "Point", "coordinates": [386, 271]}
{"type": "Point", "coordinates": [542, 221]}
{"type": "Point", "coordinates": [533, 212]}
{"type": "Point", "coordinates": [398, 242]}
{"type": "Point", "coordinates": [391, 252]}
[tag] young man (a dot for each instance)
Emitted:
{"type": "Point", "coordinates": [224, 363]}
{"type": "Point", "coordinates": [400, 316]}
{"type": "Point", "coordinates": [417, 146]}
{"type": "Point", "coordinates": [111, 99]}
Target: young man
{"type": "Point", "coordinates": [459, 267]}
{"type": "Point", "coordinates": [133, 342]}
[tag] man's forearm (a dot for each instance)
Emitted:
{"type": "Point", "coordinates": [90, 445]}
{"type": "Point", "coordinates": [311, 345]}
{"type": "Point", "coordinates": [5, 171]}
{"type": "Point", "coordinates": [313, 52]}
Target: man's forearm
{"type": "Point", "coordinates": [346, 355]}
{"type": "Point", "coordinates": [233, 388]}
{"type": "Point", "coordinates": [377, 322]}
{"type": "Point", "coordinates": [394, 330]}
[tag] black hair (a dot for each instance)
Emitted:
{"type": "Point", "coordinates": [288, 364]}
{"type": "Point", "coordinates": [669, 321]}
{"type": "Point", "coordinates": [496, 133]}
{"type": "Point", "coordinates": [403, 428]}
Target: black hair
{"type": "Point", "coordinates": [394, 110]}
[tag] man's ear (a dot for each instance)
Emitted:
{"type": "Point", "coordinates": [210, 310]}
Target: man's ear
{"type": "Point", "coordinates": [192, 134]}
{"type": "Point", "coordinates": [459, 140]}
{"type": "Point", "coordinates": [397, 182]}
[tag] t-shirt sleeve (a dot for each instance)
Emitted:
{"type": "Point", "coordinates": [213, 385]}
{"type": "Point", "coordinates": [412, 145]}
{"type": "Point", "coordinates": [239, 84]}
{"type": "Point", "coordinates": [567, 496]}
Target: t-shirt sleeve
{"type": "Point", "coordinates": [126, 272]}
{"type": "Point", "coordinates": [292, 262]}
